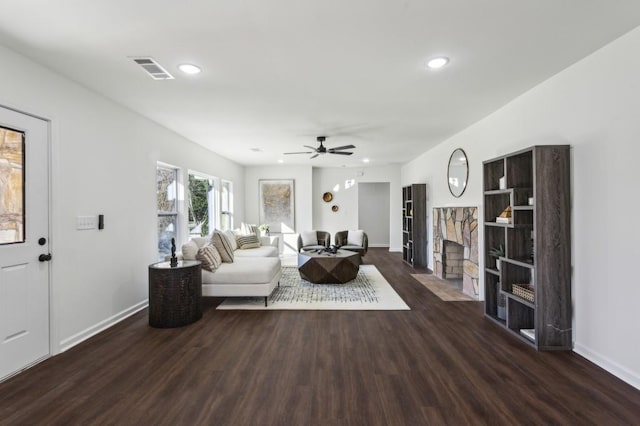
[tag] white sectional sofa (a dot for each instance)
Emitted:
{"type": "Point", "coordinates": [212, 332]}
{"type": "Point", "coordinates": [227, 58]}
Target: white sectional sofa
{"type": "Point", "coordinates": [254, 272]}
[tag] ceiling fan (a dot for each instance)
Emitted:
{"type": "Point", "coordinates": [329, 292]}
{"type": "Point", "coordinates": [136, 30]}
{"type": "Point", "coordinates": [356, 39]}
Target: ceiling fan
{"type": "Point", "coordinates": [324, 150]}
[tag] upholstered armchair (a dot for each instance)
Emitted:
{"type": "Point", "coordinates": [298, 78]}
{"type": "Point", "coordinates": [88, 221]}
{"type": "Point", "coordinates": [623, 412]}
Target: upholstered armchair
{"type": "Point", "coordinates": [357, 241]}
{"type": "Point", "coordinates": [313, 240]}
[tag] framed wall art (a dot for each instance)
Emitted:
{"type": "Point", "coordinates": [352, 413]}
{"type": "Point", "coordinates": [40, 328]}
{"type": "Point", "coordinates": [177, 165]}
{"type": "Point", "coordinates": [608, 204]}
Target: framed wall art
{"type": "Point", "coordinates": [277, 204]}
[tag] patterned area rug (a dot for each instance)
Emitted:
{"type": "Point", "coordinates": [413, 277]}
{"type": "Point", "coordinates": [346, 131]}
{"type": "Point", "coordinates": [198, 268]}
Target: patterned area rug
{"type": "Point", "coordinates": [368, 291]}
{"type": "Point", "coordinates": [442, 289]}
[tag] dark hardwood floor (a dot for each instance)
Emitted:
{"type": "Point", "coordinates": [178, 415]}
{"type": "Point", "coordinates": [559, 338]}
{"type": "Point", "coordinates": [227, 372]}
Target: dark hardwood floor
{"type": "Point", "coordinates": [440, 363]}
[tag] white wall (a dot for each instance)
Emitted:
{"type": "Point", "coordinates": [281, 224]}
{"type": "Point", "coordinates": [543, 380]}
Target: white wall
{"type": "Point", "coordinates": [594, 107]}
{"type": "Point", "coordinates": [334, 180]}
{"type": "Point", "coordinates": [373, 212]}
{"type": "Point", "coordinates": [302, 186]}
{"type": "Point", "coordinates": [103, 161]}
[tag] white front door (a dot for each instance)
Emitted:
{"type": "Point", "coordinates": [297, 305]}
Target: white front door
{"type": "Point", "coordinates": [24, 236]}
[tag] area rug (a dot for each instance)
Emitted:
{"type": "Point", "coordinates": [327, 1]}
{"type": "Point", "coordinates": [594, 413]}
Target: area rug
{"type": "Point", "coordinates": [369, 291]}
{"type": "Point", "coordinates": [442, 289]}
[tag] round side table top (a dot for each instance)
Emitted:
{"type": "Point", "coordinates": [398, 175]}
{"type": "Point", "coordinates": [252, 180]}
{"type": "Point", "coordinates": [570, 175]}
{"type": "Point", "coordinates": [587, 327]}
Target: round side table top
{"type": "Point", "coordinates": [181, 264]}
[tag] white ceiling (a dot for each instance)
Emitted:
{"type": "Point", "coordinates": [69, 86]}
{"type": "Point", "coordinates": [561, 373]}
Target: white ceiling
{"type": "Point", "coordinates": [277, 73]}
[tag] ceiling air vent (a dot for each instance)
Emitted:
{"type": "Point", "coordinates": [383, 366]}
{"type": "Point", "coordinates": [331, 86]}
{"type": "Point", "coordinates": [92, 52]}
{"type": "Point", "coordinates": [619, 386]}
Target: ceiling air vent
{"type": "Point", "coordinates": [154, 69]}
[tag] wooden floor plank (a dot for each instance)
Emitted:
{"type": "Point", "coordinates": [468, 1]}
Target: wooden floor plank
{"type": "Point", "coordinates": [440, 363]}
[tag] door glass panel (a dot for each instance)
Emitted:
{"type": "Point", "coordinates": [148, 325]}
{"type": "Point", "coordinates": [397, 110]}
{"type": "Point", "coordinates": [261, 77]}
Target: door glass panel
{"type": "Point", "coordinates": [12, 211]}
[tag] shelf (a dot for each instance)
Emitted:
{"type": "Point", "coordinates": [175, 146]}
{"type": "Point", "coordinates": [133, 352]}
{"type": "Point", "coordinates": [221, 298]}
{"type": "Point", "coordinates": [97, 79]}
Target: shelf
{"type": "Point", "coordinates": [492, 271]}
{"type": "Point", "coordinates": [518, 262]}
{"type": "Point", "coordinates": [527, 207]}
{"type": "Point", "coordinates": [498, 191]}
{"type": "Point", "coordinates": [518, 299]}
{"type": "Point", "coordinates": [509, 225]}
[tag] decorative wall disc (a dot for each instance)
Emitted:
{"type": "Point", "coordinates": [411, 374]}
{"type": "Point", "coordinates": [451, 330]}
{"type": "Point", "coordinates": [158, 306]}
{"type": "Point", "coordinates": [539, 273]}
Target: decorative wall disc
{"type": "Point", "coordinates": [334, 208]}
{"type": "Point", "coordinates": [327, 196]}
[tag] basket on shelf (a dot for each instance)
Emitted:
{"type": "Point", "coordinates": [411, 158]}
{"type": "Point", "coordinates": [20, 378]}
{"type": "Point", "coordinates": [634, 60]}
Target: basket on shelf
{"type": "Point", "coordinates": [525, 291]}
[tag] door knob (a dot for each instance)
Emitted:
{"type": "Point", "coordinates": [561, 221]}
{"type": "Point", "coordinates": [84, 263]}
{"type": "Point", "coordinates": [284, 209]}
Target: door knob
{"type": "Point", "coordinates": [44, 257]}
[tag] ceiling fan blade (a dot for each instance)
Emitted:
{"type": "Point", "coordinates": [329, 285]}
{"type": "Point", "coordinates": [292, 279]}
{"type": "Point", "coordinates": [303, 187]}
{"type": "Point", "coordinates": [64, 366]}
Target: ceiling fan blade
{"type": "Point", "coordinates": [340, 148]}
{"type": "Point", "coordinates": [310, 147]}
{"type": "Point", "coordinates": [304, 152]}
{"type": "Point", "coordinates": [315, 155]}
{"type": "Point", "coordinates": [341, 153]}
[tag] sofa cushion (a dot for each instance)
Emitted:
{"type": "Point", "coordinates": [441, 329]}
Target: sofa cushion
{"type": "Point", "coordinates": [249, 228]}
{"type": "Point", "coordinates": [209, 257]}
{"type": "Point", "coordinates": [248, 241]}
{"type": "Point", "coordinates": [354, 238]}
{"type": "Point", "coordinates": [255, 270]}
{"type": "Point", "coordinates": [262, 251]}
{"type": "Point", "coordinates": [190, 250]}
{"type": "Point", "coordinates": [222, 243]}
{"type": "Point", "coordinates": [231, 236]}
{"type": "Point", "coordinates": [309, 238]}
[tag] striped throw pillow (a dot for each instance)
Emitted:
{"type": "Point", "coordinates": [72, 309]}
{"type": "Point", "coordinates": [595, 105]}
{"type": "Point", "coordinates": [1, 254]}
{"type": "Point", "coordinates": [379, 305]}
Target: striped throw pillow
{"type": "Point", "coordinates": [222, 243]}
{"type": "Point", "coordinates": [209, 257]}
{"type": "Point", "coordinates": [248, 241]}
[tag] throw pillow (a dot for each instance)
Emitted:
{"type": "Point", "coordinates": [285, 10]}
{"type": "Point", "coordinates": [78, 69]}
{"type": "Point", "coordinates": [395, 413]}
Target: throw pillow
{"type": "Point", "coordinates": [223, 245]}
{"type": "Point", "coordinates": [231, 236]}
{"type": "Point", "coordinates": [248, 228]}
{"type": "Point", "coordinates": [209, 257]}
{"type": "Point", "coordinates": [354, 238]}
{"type": "Point", "coordinates": [309, 238]}
{"type": "Point", "coordinates": [248, 241]}
{"type": "Point", "coordinates": [189, 250]}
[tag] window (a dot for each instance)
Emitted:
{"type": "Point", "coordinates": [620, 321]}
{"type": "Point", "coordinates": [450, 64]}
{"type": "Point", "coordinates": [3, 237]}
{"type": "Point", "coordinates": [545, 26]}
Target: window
{"type": "Point", "coordinates": [167, 203]}
{"type": "Point", "coordinates": [203, 204]}
{"type": "Point", "coordinates": [226, 205]}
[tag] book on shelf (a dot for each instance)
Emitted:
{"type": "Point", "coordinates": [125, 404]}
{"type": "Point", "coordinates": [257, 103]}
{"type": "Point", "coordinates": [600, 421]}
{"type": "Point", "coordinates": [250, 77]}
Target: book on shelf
{"type": "Point", "coordinates": [529, 333]}
{"type": "Point", "coordinates": [503, 219]}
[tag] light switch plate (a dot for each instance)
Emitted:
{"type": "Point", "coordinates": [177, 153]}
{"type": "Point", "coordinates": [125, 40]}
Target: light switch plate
{"type": "Point", "coordinates": [86, 222]}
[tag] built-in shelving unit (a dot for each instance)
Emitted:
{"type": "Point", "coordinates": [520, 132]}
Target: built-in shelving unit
{"type": "Point", "coordinates": [528, 288]}
{"type": "Point", "coordinates": [414, 224]}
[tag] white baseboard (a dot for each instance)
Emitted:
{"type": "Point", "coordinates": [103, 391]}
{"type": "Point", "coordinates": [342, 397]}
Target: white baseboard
{"type": "Point", "coordinates": [395, 249]}
{"type": "Point", "coordinates": [611, 366]}
{"type": "Point", "coordinates": [378, 245]}
{"type": "Point", "coordinates": [80, 337]}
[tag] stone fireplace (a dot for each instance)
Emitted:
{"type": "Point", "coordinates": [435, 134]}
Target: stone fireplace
{"type": "Point", "coordinates": [455, 246]}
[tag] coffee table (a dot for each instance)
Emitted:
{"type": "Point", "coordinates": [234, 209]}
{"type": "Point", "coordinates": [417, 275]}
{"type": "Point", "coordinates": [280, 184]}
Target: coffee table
{"type": "Point", "coordinates": [326, 268]}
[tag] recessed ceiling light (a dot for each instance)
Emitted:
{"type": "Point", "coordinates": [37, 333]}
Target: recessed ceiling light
{"type": "Point", "coordinates": [365, 160]}
{"type": "Point", "coordinates": [189, 69]}
{"type": "Point", "coordinates": [436, 63]}
{"type": "Point", "coordinates": [281, 161]}
{"type": "Point", "coordinates": [256, 149]}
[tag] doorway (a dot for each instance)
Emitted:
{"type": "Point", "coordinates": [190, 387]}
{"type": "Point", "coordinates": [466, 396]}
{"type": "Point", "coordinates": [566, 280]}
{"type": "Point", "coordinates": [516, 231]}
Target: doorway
{"type": "Point", "coordinates": [373, 212]}
{"type": "Point", "coordinates": [24, 241]}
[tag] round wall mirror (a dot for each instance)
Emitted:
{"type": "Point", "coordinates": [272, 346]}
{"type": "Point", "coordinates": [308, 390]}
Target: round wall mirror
{"type": "Point", "coordinates": [458, 172]}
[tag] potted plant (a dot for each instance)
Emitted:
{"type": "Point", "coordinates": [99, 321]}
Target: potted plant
{"type": "Point", "coordinates": [264, 229]}
{"type": "Point", "coordinates": [497, 252]}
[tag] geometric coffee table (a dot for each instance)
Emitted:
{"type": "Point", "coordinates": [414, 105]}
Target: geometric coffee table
{"type": "Point", "coordinates": [326, 268]}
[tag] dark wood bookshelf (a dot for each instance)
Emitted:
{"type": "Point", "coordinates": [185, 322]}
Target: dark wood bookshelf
{"type": "Point", "coordinates": [414, 224]}
{"type": "Point", "coordinates": [537, 243]}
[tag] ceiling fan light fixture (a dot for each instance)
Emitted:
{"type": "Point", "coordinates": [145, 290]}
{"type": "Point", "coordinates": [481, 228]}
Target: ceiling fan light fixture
{"type": "Point", "coordinates": [437, 63]}
{"type": "Point", "coordinates": [189, 69]}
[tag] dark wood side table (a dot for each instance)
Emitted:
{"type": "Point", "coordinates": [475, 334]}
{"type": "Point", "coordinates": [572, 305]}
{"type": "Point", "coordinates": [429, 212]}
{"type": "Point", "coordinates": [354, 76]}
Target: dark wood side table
{"type": "Point", "coordinates": [175, 294]}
